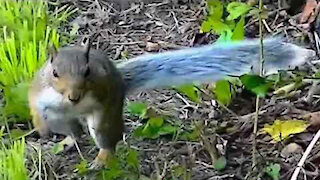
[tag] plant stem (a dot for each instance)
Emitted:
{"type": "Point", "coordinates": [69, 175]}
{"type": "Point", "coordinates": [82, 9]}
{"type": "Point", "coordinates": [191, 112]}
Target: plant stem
{"type": "Point", "coordinates": [255, 126]}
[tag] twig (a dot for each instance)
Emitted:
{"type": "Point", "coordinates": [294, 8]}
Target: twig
{"type": "Point", "coordinates": [305, 155]}
{"type": "Point", "coordinates": [255, 125]}
{"type": "Point", "coordinates": [78, 148]}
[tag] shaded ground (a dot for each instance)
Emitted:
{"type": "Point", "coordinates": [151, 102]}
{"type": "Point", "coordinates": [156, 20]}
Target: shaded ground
{"type": "Point", "coordinates": [156, 27]}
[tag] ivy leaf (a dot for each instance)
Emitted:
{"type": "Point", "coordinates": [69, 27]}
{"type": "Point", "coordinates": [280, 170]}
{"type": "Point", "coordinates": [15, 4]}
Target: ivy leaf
{"type": "Point", "coordinates": [273, 170]}
{"type": "Point", "coordinates": [238, 32]}
{"type": "Point", "coordinates": [215, 9]}
{"type": "Point", "coordinates": [81, 168]}
{"type": "Point", "coordinates": [114, 170]}
{"type": "Point", "coordinates": [155, 128]}
{"type": "Point", "coordinates": [225, 36]}
{"type": "Point", "coordinates": [237, 9]}
{"type": "Point", "coordinates": [256, 84]}
{"type": "Point", "coordinates": [191, 91]}
{"type": "Point", "coordinates": [222, 92]}
{"type": "Point", "coordinates": [280, 130]}
{"type": "Point", "coordinates": [168, 129]}
{"type": "Point", "coordinates": [206, 26]}
{"type": "Point", "coordinates": [156, 121]}
{"type": "Point", "coordinates": [220, 27]}
{"type": "Point", "coordinates": [57, 148]}
{"type": "Point", "coordinates": [138, 109]}
{"type": "Point", "coordinates": [151, 129]}
{"type": "Point", "coordinates": [220, 163]}
{"type": "Point", "coordinates": [132, 158]}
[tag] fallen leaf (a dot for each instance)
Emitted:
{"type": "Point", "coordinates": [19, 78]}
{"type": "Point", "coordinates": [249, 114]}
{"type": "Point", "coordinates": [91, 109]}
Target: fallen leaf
{"type": "Point", "coordinates": [59, 147]}
{"type": "Point", "coordinates": [309, 12]}
{"type": "Point", "coordinates": [292, 148]}
{"type": "Point", "coordinates": [280, 130]}
{"type": "Point", "coordinates": [152, 46]}
{"type": "Point", "coordinates": [314, 119]}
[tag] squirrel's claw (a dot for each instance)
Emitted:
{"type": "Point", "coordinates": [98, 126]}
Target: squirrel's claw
{"type": "Point", "coordinates": [101, 159]}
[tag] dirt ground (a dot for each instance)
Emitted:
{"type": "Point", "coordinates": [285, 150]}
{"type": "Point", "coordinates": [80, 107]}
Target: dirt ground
{"type": "Point", "coordinates": [166, 25]}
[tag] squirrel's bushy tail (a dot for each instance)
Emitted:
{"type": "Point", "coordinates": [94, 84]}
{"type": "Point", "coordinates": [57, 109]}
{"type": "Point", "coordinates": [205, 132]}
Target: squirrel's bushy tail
{"type": "Point", "coordinates": [209, 63]}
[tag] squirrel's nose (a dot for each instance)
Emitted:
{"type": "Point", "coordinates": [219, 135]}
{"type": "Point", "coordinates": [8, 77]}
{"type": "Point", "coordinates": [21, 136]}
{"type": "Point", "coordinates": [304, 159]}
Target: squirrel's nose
{"type": "Point", "coordinates": [74, 99]}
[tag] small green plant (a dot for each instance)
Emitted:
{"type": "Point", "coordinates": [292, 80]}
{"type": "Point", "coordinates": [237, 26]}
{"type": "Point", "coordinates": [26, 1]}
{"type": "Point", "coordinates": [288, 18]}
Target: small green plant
{"type": "Point", "coordinates": [227, 21]}
{"type": "Point", "coordinates": [256, 84]}
{"type": "Point", "coordinates": [191, 91]}
{"type": "Point", "coordinates": [273, 171]}
{"type": "Point", "coordinates": [229, 27]}
{"type": "Point", "coordinates": [155, 126]}
{"type": "Point", "coordinates": [26, 30]}
{"type": "Point", "coordinates": [12, 159]}
{"type": "Point", "coordinates": [123, 165]}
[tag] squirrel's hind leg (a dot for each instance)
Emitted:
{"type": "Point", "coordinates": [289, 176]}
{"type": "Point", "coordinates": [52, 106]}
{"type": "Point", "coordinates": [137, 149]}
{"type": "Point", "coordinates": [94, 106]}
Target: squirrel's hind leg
{"type": "Point", "coordinates": [106, 128]}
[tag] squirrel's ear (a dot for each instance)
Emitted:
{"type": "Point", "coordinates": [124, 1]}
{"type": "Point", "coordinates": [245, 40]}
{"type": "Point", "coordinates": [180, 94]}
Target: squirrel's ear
{"type": "Point", "coordinates": [52, 52]}
{"type": "Point", "coordinates": [87, 46]}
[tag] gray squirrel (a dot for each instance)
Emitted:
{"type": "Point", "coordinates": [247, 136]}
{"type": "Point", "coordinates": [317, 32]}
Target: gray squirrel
{"type": "Point", "coordinates": [80, 84]}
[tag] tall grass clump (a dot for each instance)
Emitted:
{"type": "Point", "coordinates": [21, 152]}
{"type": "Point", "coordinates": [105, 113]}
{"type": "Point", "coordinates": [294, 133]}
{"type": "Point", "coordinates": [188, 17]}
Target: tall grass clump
{"type": "Point", "coordinates": [12, 160]}
{"type": "Point", "coordinates": [26, 30]}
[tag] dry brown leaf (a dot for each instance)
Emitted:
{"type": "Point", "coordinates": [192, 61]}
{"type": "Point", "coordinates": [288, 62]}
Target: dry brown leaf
{"type": "Point", "coordinates": [292, 148]}
{"type": "Point", "coordinates": [152, 46]}
{"type": "Point", "coordinates": [314, 119]}
{"type": "Point", "coordinates": [309, 12]}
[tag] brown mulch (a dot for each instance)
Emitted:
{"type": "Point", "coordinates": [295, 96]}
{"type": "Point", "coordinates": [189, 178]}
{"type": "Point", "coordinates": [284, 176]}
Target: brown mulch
{"type": "Point", "coordinates": [166, 25]}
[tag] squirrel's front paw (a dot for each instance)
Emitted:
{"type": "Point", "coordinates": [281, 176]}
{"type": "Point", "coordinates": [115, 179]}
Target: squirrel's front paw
{"type": "Point", "coordinates": [43, 129]}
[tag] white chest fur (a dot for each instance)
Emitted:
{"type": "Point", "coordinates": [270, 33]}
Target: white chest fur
{"type": "Point", "coordinates": [54, 108]}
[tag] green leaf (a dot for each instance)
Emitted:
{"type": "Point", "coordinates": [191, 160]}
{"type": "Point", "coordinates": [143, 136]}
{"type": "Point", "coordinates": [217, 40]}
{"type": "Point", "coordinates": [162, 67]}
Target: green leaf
{"type": "Point", "coordinates": [177, 170]}
{"type": "Point", "coordinates": [273, 170]}
{"type": "Point", "coordinates": [238, 32]}
{"type": "Point", "coordinates": [206, 26]}
{"type": "Point", "coordinates": [81, 168]}
{"type": "Point", "coordinates": [220, 27]}
{"type": "Point", "coordinates": [222, 92]}
{"type": "Point", "coordinates": [138, 109]}
{"type": "Point", "coordinates": [256, 84]}
{"type": "Point", "coordinates": [237, 9]}
{"type": "Point", "coordinates": [114, 170]}
{"type": "Point", "coordinates": [191, 91]}
{"type": "Point", "coordinates": [168, 129]}
{"type": "Point", "coordinates": [155, 128]}
{"type": "Point", "coordinates": [57, 148]}
{"type": "Point", "coordinates": [132, 158]}
{"type": "Point", "coordinates": [190, 136]}
{"type": "Point", "coordinates": [156, 121]}
{"type": "Point", "coordinates": [220, 163]}
{"type": "Point", "coordinates": [17, 100]}
{"type": "Point", "coordinates": [215, 9]}
{"type": "Point", "coordinates": [18, 133]}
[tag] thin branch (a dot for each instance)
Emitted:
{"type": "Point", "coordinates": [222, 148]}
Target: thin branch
{"type": "Point", "coordinates": [255, 125]}
{"type": "Point", "coordinates": [305, 155]}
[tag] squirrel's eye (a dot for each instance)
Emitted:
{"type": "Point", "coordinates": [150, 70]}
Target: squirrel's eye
{"type": "Point", "coordinates": [86, 74]}
{"type": "Point", "coordinates": [55, 74]}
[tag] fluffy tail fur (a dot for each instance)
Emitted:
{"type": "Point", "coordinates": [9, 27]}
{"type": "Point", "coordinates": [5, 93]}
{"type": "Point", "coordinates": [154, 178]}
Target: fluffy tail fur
{"type": "Point", "coordinates": [209, 63]}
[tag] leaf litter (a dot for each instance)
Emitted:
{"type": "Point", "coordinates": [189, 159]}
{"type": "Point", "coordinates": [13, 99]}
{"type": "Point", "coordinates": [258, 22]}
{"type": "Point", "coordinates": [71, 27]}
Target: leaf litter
{"type": "Point", "coordinates": [166, 25]}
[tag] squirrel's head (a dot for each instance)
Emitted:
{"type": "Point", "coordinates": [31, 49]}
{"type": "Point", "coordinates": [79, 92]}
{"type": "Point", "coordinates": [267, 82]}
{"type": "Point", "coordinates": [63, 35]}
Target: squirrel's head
{"type": "Point", "coordinates": [70, 71]}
